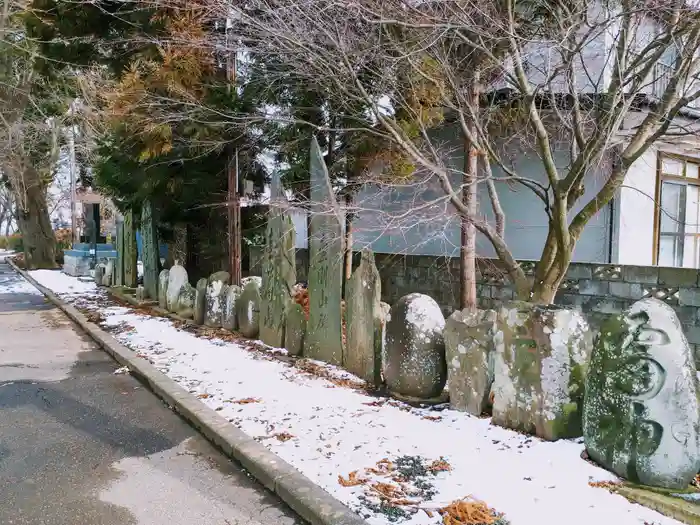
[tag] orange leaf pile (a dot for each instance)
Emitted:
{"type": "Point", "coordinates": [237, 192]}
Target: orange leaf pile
{"type": "Point", "coordinates": [467, 512]}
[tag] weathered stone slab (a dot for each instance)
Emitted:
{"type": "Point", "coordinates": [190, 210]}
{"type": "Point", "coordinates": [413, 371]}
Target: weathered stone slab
{"type": "Point", "coordinates": [363, 352]}
{"type": "Point", "coordinates": [119, 263]}
{"type": "Point", "coordinates": [163, 279]}
{"type": "Point", "coordinates": [130, 251]}
{"type": "Point", "coordinates": [278, 269]}
{"type": "Point", "coordinates": [150, 250]}
{"type": "Point", "coordinates": [109, 271]}
{"type": "Point", "coordinates": [177, 280]}
{"type": "Point", "coordinates": [469, 350]}
{"type": "Point", "coordinates": [641, 415]}
{"type": "Point", "coordinates": [229, 320]}
{"type": "Point", "coordinates": [295, 329]}
{"type": "Point", "coordinates": [248, 307]}
{"type": "Point", "coordinates": [415, 350]}
{"type": "Point", "coordinates": [200, 302]}
{"type": "Point", "coordinates": [540, 364]}
{"type": "Point", "coordinates": [324, 340]}
{"type": "Point", "coordinates": [217, 286]}
{"type": "Point", "coordinates": [186, 300]}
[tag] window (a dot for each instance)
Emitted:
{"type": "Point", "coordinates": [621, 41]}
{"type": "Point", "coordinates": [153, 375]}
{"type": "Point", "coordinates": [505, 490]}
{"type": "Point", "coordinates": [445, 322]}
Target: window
{"type": "Point", "coordinates": [678, 216]}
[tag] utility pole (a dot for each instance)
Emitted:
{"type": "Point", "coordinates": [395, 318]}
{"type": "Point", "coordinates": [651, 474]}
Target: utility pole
{"type": "Point", "coordinates": [234, 203]}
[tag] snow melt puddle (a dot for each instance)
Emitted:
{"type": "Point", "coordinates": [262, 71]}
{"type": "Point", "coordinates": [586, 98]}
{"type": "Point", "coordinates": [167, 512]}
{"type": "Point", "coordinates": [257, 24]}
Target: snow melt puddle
{"type": "Point", "coordinates": [327, 431]}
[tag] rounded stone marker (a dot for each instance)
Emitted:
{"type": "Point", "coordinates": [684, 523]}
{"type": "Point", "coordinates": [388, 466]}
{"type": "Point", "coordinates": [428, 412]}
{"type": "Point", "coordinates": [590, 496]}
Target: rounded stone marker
{"type": "Point", "coordinates": [414, 355]}
{"type": "Point", "coordinates": [177, 280]}
{"type": "Point", "coordinates": [641, 413]}
{"type": "Point", "coordinates": [248, 307]}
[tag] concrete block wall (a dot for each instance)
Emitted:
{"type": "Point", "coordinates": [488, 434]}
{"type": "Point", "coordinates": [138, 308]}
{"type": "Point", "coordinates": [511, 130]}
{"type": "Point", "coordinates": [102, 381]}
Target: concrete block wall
{"type": "Point", "coordinates": [597, 289]}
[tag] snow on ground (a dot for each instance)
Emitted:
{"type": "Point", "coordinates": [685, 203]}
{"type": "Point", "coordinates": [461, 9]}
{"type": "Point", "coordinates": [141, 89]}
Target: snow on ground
{"type": "Point", "coordinates": [64, 284]}
{"type": "Point", "coordinates": [334, 430]}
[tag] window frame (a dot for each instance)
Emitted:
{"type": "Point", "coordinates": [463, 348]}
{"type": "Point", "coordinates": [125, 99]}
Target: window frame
{"type": "Point", "coordinates": [683, 179]}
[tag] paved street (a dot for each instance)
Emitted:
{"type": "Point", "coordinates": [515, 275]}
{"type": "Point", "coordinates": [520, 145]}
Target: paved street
{"type": "Point", "coordinates": [81, 445]}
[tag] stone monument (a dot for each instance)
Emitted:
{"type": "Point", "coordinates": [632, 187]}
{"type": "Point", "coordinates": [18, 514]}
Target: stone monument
{"type": "Point", "coordinates": [151, 255]}
{"type": "Point", "coordinates": [278, 269]}
{"type": "Point", "coordinates": [469, 348]}
{"type": "Point", "coordinates": [641, 416]}
{"type": "Point", "coordinates": [363, 352]}
{"type": "Point", "coordinates": [414, 355]}
{"type": "Point", "coordinates": [324, 339]}
{"type": "Point", "coordinates": [540, 364]}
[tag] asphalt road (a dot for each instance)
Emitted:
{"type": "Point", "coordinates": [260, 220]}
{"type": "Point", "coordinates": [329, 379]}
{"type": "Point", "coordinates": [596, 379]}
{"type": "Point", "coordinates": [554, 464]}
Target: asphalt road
{"type": "Point", "coordinates": [80, 445]}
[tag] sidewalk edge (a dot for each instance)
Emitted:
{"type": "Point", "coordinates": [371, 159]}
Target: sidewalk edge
{"type": "Point", "coordinates": [303, 496]}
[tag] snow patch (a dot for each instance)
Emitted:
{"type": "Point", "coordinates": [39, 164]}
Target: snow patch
{"type": "Point", "coordinates": [337, 430]}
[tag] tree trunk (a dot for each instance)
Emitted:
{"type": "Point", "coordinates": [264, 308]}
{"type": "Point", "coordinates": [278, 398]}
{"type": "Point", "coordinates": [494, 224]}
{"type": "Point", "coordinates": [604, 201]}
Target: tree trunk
{"type": "Point", "coordinates": [467, 258]}
{"type": "Point", "coordinates": [35, 225]}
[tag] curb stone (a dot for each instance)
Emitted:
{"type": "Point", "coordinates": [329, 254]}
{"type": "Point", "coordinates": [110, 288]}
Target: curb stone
{"type": "Point", "coordinates": [304, 497]}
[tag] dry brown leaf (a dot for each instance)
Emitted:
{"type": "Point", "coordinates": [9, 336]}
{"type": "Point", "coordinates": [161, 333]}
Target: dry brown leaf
{"type": "Point", "coordinates": [433, 418]}
{"type": "Point", "coordinates": [428, 512]}
{"type": "Point", "coordinates": [203, 396]}
{"type": "Point", "coordinates": [283, 436]}
{"type": "Point", "coordinates": [440, 465]}
{"type": "Point", "coordinates": [383, 468]}
{"type": "Point", "coordinates": [604, 484]}
{"type": "Point", "coordinates": [352, 480]}
{"type": "Point", "coordinates": [387, 490]}
{"type": "Point", "coordinates": [467, 512]}
{"type": "Point", "coordinates": [246, 401]}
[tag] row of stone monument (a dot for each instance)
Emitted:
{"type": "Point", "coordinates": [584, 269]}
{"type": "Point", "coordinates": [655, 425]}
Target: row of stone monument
{"type": "Point", "coordinates": [633, 394]}
{"type": "Point", "coordinates": [631, 391]}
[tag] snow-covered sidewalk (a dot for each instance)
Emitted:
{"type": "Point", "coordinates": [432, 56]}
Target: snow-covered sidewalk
{"type": "Point", "coordinates": [332, 431]}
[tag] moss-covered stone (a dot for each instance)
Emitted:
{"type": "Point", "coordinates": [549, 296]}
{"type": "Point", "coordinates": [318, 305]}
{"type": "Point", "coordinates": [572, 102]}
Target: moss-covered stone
{"type": "Point", "coordinates": [248, 307]}
{"type": "Point", "coordinates": [541, 356]}
{"type": "Point", "coordinates": [469, 348]}
{"type": "Point", "coordinates": [641, 412]}
{"type": "Point", "coordinates": [295, 329]}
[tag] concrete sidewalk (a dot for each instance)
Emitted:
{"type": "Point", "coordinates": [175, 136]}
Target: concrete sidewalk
{"type": "Point", "coordinates": [81, 444]}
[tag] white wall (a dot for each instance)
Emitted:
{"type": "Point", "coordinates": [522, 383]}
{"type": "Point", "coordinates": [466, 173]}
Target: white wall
{"type": "Point", "coordinates": [418, 219]}
{"type": "Point", "coordinates": [635, 220]}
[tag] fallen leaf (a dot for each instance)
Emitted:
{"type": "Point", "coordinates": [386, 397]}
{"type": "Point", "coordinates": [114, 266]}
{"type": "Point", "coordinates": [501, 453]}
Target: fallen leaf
{"type": "Point", "coordinates": [203, 396]}
{"type": "Point", "coordinates": [246, 401]}
{"type": "Point", "coordinates": [604, 484]}
{"type": "Point", "coordinates": [352, 480]}
{"type": "Point", "coordinates": [433, 418]}
{"type": "Point", "coordinates": [440, 465]}
{"type": "Point", "coordinates": [283, 436]}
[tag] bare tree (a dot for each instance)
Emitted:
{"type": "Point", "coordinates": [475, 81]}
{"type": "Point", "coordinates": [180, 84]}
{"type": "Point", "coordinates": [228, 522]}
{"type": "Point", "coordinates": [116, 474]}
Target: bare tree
{"type": "Point", "coordinates": [28, 136]}
{"type": "Point", "coordinates": [536, 75]}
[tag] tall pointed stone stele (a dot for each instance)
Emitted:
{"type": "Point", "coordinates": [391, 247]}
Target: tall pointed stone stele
{"type": "Point", "coordinates": [324, 330]}
{"type": "Point", "coordinates": [278, 270]}
{"type": "Point", "coordinates": [151, 256]}
{"type": "Point", "coordinates": [130, 251]}
{"type": "Point", "coordinates": [119, 263]}
{"type": "Point", "coordinates": [363, 353]}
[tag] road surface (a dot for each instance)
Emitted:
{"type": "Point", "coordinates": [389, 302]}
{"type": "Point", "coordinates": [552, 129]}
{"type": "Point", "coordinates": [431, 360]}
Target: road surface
{"type": "Point", "coordinates": [80, 445]}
